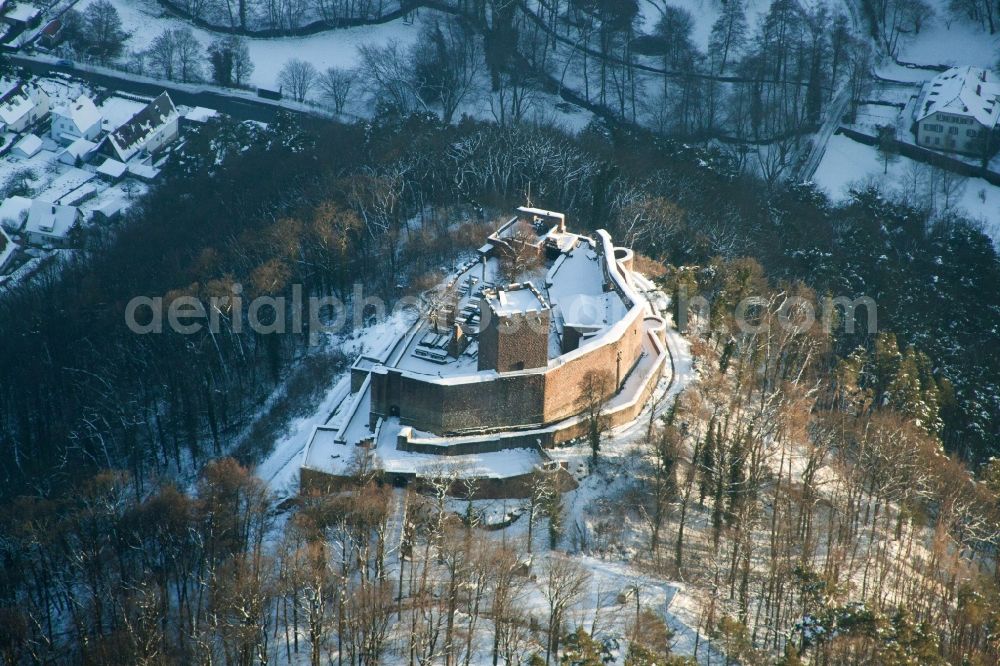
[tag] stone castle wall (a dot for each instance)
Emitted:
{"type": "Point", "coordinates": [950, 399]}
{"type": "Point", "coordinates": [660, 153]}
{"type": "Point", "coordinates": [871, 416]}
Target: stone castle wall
{"type": "Point", "coordinates": [517, 398]}
{"type": "Point", "coordinates": [511, 343]}
{"type": "Point", "coordinates": [501, 401]}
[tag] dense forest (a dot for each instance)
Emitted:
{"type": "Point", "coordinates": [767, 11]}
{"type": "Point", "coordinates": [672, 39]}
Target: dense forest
{"type": "Point", "coordinates": [120, 514]}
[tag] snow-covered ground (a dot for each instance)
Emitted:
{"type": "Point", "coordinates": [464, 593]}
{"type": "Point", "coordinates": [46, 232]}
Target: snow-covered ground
{"type": "Point", "coordinates": [144, 20]}
{"type": "Point", "coordinates": [848, 163]}
{"type": "Point", "coordinates": [280, 469]}
{"type": "Point", "coordinates": [948, 41]}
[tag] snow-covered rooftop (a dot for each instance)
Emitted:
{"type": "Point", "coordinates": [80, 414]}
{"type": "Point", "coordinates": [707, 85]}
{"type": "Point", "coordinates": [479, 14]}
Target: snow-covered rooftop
{"type": "Point", "coordinates": [200, 114]}
{"type": "Point", "coordinates": [112, 168]}
{"type": "Point", "coordinates": [16, 103]}
{"type": "Point", "coordinates": [50, 219]}
{"type": "Point", "coordinates": [81, 112]}
{"type": "Point", "coordinates": [116, 111]}
{"type": "Point", "coordinates": [22, 12]}
{"type": "Point", "coordinates": [327, 452]}
{"type": "Point", "coordinates": [80, 148]}
{"type": "Point", "coordinates": [29, 145]}
{"type": "Point", "coordinates": [574, 288]}
{"type": "Point", "coordinates": [962, 91]}
{"type": "Point", "coordinates": [128, 139]}
{"type": "Point", "coordinates": [516, 299]}
{"type": "Point", "coordinates": [67, 181]}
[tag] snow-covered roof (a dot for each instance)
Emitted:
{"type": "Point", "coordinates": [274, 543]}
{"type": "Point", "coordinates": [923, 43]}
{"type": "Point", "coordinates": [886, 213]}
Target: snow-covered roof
{"type": "Point", "coordinates": [22, 12]}
{"type": "Point", "coordinates": [80, 194]}
{"type": "Point", "coordinates": [68, 180]}
{"type": "Point", "coordinates": [962, 91]}
{"type": "Point", "coordinates": [128, 139]}
{"type": "Point", "coordinates": [582, 288]}
{"type": "Point", "coordinates": [111, 207]}
{"type": "Point", "coordinates": [16, 103]}
{"type": "Point", "coordinates": [200, 114]}
{"type": "Point", "coordinates": [80, 147]}
{"type": "Point", "coordinates": [29, 145]}
{"type": "Point", "coordinates": [11, 211]}
{"type": "Point", "coordinates": [544, 214]}
{"type": "Point", "coordinates": [50, 219]}
{"type": "Point", "coordinates": [81, 112]}
{"type": "Point", "coordinates": [143, 171]}
{"type": "Point", "coordinates": [112, 167]}
{"type": "Point", "coordinates": [117, 110]}
{"type": "Point", "coordinates": [516, 299]}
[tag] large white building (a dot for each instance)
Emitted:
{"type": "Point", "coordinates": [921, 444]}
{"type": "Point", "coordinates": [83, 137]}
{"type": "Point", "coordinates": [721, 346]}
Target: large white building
{"type": "Point", "coordinates": [958, 111]}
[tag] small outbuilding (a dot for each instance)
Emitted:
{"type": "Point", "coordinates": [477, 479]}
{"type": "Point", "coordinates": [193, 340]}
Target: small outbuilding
{"type": "Point", "coordinates": [28, 146]}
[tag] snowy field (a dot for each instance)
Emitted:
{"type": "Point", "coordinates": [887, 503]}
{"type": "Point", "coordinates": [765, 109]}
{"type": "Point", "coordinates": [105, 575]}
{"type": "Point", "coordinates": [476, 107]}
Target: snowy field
{"type": "Point", "coordinates": [848, 163]}
{"type": "Point", "coordinates": [144, 20]}
{"type": "Point", "coordinates": [950, 42]}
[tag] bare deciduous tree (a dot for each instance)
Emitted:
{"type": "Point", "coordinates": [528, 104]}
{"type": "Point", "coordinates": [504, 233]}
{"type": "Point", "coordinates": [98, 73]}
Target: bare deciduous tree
{"type": "Point", "coordinates": [297, 77]}
{"type": "Point", "coordinates": [563, 582]}
{"type": "Point", "coordinates": [335, 84]}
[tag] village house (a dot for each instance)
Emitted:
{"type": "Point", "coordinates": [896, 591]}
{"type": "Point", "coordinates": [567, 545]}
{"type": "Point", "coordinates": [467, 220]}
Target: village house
{"type": "Point", "coordinates": [79, 119]}
{"type": "Point", "coordinates": [958, 110]}
{"type": "Point", "coordinates": [496, 369]}
{"type": "Point", "coordinates": [50, 224]}
{"type": "Point", "coordinates": [22, 106]}
{"type": "Point", "coordinates": [21, 14]}
{"type": "Point", "coordinates": [146, 132]}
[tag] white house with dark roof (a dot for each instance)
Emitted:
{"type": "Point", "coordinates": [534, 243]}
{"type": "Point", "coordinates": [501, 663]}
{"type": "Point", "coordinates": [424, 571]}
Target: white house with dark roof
{"type": "Point", "coordinates": [22, 106]}
{"type": "Point", "coordinates": [958, 111]}
{"type": "Point", "coordinates": [148, 131]}
{"type": "Point", "coordinates": [79, 119]}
